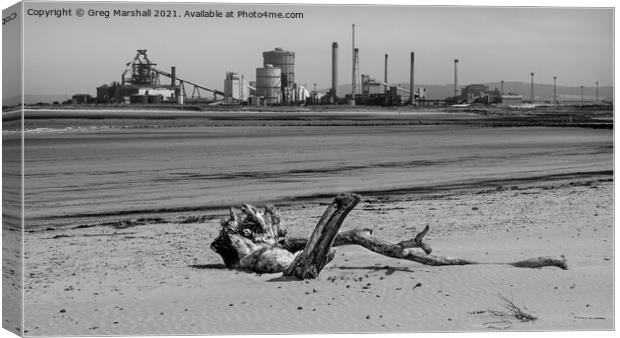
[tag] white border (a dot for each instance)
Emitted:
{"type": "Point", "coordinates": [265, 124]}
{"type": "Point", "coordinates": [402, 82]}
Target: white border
{"type": "Point", "coordinates": [508, 3]}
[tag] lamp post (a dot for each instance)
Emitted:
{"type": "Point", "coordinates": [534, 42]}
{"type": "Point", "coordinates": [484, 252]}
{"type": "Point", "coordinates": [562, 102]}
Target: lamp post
{"type": "Point", "coordinates": [532, 89]}
{"type": "Point", "coordinates": [596, 92]}
{"type": "Point", "coordinates": [456, 62]}
{"type": "Point", "coordinates": [412, 79]}
{"type": "Point", "coordinates": [555, 100]}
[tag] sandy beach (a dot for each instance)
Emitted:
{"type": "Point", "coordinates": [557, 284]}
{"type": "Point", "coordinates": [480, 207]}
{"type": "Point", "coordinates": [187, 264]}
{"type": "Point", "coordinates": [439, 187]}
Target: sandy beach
{"type": "Point", "coordinates": [120, 216]}
{"type": "Point", "coordinates": [164, 279]}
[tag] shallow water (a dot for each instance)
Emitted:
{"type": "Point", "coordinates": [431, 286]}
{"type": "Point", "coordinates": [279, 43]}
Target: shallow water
{"type": "Point", "coordinates": [116, 171]}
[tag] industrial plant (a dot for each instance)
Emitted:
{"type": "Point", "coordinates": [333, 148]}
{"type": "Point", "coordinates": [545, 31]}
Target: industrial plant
{"type": "Point", "coordinates": [143, 82]}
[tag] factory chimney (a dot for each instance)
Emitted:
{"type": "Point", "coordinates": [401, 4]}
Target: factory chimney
{"type": "Point", "coordinates": [456, 62]}
{"type": "Point", "coordinates": [356, 58]}
{"type": "Point", "coordinates": [173, 84]}
{"type": "Point", "coordinates": [411, 83]}
{"type": "Point", "coordinates": [335, 70]}
{"type": "Point", "coordinates": [354, 70]}
{"type": "Point", "coordinates": [173, 77]}
{"type": "Point", "coordinates": [385, 75]}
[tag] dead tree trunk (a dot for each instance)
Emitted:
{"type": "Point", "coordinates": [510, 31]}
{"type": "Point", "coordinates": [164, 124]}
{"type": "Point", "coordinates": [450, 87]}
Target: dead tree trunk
{"type": "Point", "coordinates": [255, 241]}
{"type": "Point", "coordinates": [405, 250]}
{"type": "Point", "coordinates": [363, 237]}
{"type": "Point", "coordinates": [318, 249]}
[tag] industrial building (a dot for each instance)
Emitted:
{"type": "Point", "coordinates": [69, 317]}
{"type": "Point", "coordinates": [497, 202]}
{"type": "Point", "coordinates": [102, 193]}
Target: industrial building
{"type": "Point", "coordinates": [381, 93]}
{"type": "Point", "coordinates": [479, 93]}
{"type": "Point", "coordinates": [275, 84]}
{"type": "Point", "coordinates": [511, 100]}
{"type": "Point", "coordinates": [378, 93]}
{"type": "Point", "coordinates": [283, 60]}
{"type": "Point", "coordinates": [140, 84]}
{"type": "Point", "coordinates": [370, 86]}
{"type": "Point", "coordinates": [236, 88]}
{"type": "Point", "coordinates": [81, 99]}
{"type": "Point", "coordinates": [301, 94]}
{"type": "Point", "coordinates": [269, 84]}
{"type": "Point", "coordinates": [476, 93]}
{"type": "Point", "coordinates": [474, 90]}
{"type": "Point", "coordinates": [373, 92]}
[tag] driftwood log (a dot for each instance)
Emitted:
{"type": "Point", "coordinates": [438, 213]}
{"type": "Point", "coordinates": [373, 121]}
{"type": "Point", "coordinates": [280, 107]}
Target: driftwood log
{"type": "Point", "coordinates": [255, 241]}
{"type": "Point", "coordinates": [318, 251]}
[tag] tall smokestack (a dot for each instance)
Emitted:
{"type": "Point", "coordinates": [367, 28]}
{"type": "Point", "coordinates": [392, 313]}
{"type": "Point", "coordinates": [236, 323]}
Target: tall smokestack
{"type": "Point", "coordinates": [502, 88]}
{"type": "Point", "coordinates": [411, 84]}
{"type": "Point", "coordinates": [385, 75]}
{"type": "Point", "coordinates": [353, 76]}
{"type": "Point", "coordinates": [173, 76]}
{"type": "Point", "coordinates": [356, 68]}
{"type": "Point", "coordinates": [456, 77]}
{"type": "Point", "coordinates": [335, 69]}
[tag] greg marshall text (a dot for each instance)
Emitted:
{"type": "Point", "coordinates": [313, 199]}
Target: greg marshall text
{"type": "Point", "coordinates": [163, 13]}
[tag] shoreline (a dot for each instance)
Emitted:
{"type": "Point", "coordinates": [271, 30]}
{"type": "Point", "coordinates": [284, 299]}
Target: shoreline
{"type": "Point", "coordinates": [309, 107]}
{"type": "Point", "coordinates": [164, 117]}
{"type": "Point", "coordinates": [198, 170]}
{"type": "Point", "coordinates": [151, 216]}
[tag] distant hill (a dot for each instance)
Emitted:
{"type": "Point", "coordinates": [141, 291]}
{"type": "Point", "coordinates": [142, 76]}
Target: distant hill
{"type": "Point", "coordinates": [542, 92]}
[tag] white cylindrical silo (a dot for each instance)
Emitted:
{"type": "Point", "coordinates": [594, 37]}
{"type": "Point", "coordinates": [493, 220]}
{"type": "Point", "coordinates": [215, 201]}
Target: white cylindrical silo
{"type": "Point", "coordinates": [268, 84]}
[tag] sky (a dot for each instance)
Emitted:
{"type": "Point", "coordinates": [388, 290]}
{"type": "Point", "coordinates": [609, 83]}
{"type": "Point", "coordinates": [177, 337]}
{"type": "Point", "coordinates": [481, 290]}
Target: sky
{"type": "Point", "coordinates": [76, 54]}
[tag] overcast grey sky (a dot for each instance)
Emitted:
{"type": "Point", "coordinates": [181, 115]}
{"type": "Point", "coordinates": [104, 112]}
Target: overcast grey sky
{"type": "Point", "coordinates": [492, 44]}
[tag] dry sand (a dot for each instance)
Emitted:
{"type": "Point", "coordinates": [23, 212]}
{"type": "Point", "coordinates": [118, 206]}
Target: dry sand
{"type": "Point", "coordinates": [164, 279]}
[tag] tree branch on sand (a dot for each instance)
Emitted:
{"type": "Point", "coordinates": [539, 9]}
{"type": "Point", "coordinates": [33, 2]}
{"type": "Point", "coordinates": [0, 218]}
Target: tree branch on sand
{"type": "Point", "coordinates": [255, 241]}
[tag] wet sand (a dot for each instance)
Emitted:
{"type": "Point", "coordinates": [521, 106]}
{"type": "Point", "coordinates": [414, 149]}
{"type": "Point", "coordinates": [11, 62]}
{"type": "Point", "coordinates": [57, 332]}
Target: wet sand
{"type": "Point", "coordinates": [75, 177]}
